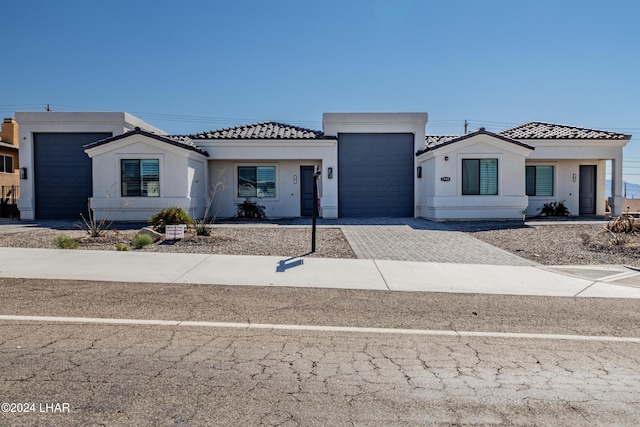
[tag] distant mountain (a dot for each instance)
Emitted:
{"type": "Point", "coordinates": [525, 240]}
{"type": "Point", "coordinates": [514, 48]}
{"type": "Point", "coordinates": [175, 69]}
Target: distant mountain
{"type": "Point", "coordinates": [633, 190]}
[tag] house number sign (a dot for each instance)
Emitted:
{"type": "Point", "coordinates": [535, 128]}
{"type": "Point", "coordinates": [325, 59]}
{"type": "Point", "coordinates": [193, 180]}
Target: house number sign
{"type": "Point", "coordinates": [445, 178]}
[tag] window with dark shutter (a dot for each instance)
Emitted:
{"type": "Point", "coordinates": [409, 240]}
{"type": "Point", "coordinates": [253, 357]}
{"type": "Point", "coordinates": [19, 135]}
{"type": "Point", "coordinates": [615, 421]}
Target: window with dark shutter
{"type": "Point", "coordinates": [140, 177]}
{"type": "Point", "coordinates": [480, 177]}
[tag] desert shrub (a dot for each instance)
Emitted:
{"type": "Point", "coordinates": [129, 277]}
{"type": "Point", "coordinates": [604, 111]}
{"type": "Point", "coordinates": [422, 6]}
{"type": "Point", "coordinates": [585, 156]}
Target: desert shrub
{"type": "Point", "coordinates": [64, 241]}
{"type": "Point", "coordinates": [170, 216]}
{"type": "Point", "coordinates": [620, 228]}
{"type": "Point", "coordinates": [250, 209]}
{"type": "Point", "coordinates": [554, 209]}
{"type": "Point", "coordinates": [122, 247]}
{"type": "Point", "coordinates": [200, 225]}
{"type": "Point", "coordinates": [624, 224]}
{"type": "Point", "coordinates": [201, 228]}
{"type": "Point", "coordinates": [141, 240]}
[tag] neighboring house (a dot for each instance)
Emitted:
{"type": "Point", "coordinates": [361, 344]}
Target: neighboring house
{"type": "Point", "coordinates": [372, 165]}
{"type": "Point", "coordinates": [9, 176]}
{"type": "Point", "coordinates": [9, 145]}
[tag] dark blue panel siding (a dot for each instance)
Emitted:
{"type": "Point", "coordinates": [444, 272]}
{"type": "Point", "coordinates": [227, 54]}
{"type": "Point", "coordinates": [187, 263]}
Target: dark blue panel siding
{"type": "Point", "coordinates": [375, 173]}
{"type": "Point", "coordinates": [62, 174]}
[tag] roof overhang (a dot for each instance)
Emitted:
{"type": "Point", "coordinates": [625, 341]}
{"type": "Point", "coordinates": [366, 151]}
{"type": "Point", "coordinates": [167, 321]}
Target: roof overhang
{"type": "Point", "coordinates": [139, 136]}
{"type": "Point", "coordinates": [477, 137]}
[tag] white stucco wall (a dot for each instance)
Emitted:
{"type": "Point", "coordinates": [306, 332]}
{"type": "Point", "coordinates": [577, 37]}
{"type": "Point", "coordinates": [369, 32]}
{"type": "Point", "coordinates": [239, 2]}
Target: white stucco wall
{"type": "Point", "coordinates": [286, 204]}
{"type": "Point", "coordinates": [29, 123]}
{"type": "Point", "coordinates": [287, 156]}
{"type": "Point", "coordinates": [566, 185]}
{"type": "Point", "coordinates": [443, 199]}
{"type": "Point", "coordinates": [569, 155]}
{"type": "Point", "coordinates": [197, 189]}
{"type": "Point", "coordinates": [182, 174]}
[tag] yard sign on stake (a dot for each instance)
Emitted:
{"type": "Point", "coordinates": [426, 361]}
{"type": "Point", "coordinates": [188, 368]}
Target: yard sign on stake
{"type": "Point", "coordinates": [174, 232]}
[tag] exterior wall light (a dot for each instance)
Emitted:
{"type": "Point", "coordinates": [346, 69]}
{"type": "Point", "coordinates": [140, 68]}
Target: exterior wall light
{"type": "Point", "coordinates": [446, 158]}
{"type": "Point", "coordinates": [330, 172]}
{"type": "Point", "coordinates": [23, 173]}
{"type": "Point", "coordinates": [574, 177]}
{"type": "Point", "coordinates": [419, 172]}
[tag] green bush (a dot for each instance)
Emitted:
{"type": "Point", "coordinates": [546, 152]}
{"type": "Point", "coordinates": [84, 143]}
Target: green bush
{"type": "Point", "coordinates": [201, 228]}
{"type": "Point", "coordinates": [122, 247]}
{"type": "Point", "coordinates": [170, 216]}
{"type": "Point", "coordinates": [64, 241]}
{"type": "Point", "coordinates": [141, 240]}
{"type": "Point", "coordinates": [250, 209]}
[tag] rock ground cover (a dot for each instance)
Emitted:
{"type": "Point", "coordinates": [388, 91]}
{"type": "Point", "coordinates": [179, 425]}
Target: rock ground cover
{"type": "Point", "coordinates": [242, 240]}
{"type": "Point", "coordinates": [561, 244]}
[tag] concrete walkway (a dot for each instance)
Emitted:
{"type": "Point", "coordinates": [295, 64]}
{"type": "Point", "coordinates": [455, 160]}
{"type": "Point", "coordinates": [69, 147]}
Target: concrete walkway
{"type": "Point", "coordinates": [407, 254]}
{"type": "Point", "coordinates": [303, 272]}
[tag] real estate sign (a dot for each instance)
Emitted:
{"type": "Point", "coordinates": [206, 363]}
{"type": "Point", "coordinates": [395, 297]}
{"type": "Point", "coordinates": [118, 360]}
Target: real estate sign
{"type": "Point", "coordinates": [174, 232]}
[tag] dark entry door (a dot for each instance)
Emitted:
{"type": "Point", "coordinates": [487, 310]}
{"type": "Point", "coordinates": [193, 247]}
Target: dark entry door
{"type": "Point", "coordinates": [587, 192]}
{"type": "Point", "coordinates": [306, 190]}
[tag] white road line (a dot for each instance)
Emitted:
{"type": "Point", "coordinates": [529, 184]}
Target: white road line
{"type": "Point", "coordinates": [351, 329]}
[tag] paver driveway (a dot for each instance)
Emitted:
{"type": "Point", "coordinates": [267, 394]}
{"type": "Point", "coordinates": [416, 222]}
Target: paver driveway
{"type": "Point", "coordinates": [415, 239]}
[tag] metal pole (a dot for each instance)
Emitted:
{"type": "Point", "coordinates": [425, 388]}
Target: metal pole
{"type": "Point", "coordinates": [314, 214]}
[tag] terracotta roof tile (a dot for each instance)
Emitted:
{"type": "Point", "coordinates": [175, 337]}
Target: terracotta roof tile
{"type": "Point", "coordinates": [541, 130]}
{"type": "Point", "coordinates": [261, 130]}
{"type": "Point", "coordinates": [433, 142]}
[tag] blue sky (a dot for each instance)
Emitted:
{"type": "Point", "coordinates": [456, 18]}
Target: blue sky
{"type": "Point", "coordinates": [196, 65]}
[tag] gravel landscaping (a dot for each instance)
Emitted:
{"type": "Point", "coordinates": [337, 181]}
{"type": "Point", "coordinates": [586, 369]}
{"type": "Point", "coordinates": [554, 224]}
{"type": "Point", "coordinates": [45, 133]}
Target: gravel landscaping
{"type": "Point", "coordinates": [242, 240]}
{"type": "Point", "coordinates": [564, 243]}
{"type": "Point", "coordinates": [561, 244]}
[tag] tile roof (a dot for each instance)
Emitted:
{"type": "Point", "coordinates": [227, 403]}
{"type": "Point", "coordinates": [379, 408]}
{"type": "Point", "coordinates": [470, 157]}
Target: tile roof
{"type": "Point", "coordinates": [178, 141]}
{"type": "Point", "coordinates": [541, 130]}
{"type": "Point", "coordinates": [433, 142]}
{"type": "Point", "coordinates": [261, 130]}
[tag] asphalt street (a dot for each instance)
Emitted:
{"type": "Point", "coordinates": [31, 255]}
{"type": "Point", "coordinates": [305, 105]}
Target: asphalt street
{"type": "Point", "coordinates": [580, 365]}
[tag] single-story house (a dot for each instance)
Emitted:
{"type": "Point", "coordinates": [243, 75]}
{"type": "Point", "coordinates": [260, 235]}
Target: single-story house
{"type": "Point", "coordinates": [371, 164]}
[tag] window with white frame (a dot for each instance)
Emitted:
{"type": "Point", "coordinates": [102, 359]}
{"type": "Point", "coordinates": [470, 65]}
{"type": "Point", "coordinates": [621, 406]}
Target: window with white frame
{"type": "Point", "coordinates": [257, 181]}
{"type": "Point", "coordinates": [480, 177]}
{"type": "Point", "coordinates": [6, 164]}
{"type": "Point", "coordinates": [140, 177]}
{"type": "Point", "coordinates": [539, 180]}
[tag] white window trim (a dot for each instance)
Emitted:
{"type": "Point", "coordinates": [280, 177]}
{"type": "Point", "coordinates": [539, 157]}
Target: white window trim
{"type": "Point", "coordinates": [469, 156]}
{"type": "Point", "coordinates": [161, 180]}
{"type": "Point", "coordinates": [555, 180]}
{"type": "Point", "coordinates": [256, 164]}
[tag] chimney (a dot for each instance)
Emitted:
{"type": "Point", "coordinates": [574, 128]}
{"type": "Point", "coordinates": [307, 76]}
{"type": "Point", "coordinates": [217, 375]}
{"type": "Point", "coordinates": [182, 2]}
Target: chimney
{"type": "Point", "coordinates": [9, 133]}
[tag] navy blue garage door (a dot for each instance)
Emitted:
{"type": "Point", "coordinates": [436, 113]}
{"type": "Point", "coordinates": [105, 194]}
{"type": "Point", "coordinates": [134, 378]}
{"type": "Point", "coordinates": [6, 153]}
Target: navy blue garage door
{"type": "Point", "coordinates": [375, 175]}
{"type": "Point", "coordinates": [62, 174]}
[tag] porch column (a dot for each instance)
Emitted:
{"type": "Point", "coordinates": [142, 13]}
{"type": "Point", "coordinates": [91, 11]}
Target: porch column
{"type": "Point", "coordinates": [616, 201]}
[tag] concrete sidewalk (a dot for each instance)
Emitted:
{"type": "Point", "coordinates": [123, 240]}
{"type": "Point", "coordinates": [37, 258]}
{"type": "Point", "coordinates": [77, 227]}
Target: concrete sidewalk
{"type": "Point", "coordinates": [370, 274]}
